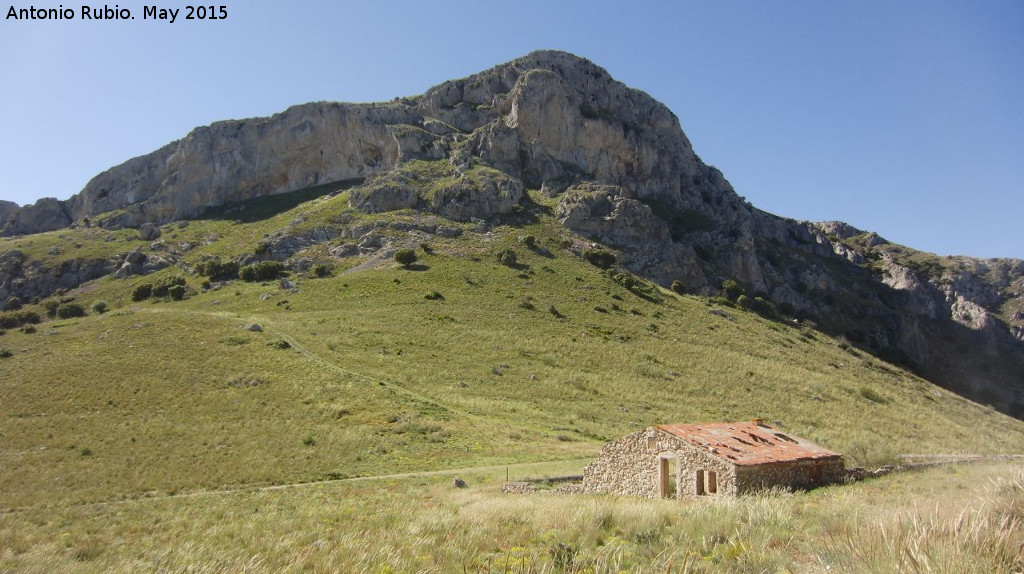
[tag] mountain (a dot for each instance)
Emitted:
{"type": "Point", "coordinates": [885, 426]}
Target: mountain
{"type": "Point", "coordinates": [622, 174]}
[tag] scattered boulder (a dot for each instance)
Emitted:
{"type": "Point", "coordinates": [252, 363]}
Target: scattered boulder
{"type": "Point", "coordinates": [254, 327]}
{"type": "Point", "coordinates": [135, 257]}
{"type": "Point", "coordinates": [138, 263]}
{"type": "Point", "coordinates": [344, 250]}
{"type": "Point", "coordinates": [721, 313]}
{"type": "Point", "coordinates": [148, 232]}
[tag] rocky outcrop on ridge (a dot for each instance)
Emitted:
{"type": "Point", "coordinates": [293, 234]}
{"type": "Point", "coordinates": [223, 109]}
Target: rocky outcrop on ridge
{"type": "Point", "coordinates": [7, 209]}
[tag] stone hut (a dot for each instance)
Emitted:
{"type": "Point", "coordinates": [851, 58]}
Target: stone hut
{"type": "Point", "coordinates": [674, 461]}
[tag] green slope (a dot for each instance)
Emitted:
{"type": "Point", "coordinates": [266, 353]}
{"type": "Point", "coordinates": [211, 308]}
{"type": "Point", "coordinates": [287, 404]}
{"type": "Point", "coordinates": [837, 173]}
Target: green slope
{"type": "Point", "coordinates": [361, 374]}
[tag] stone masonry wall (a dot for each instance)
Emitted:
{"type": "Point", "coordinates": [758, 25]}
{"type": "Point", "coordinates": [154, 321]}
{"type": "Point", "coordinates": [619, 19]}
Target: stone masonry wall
{"type": "Point", "coordinates": [791, 474]}
{"type": "Point", "coordinates": [630, 466]}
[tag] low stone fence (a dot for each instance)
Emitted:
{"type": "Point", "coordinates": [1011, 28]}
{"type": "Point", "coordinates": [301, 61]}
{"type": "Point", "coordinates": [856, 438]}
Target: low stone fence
{"type": "Point", "coordinates": [568, 485]}
{"type": "Point", "coordinates": [919, 461]}
{"type": "Point", "coordinates": [519, 487]}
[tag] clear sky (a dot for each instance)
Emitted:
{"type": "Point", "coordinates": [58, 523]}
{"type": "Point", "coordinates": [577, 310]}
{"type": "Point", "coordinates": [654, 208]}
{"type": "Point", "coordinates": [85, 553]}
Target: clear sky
{"type": "Point", "coordinates": [905, 118]}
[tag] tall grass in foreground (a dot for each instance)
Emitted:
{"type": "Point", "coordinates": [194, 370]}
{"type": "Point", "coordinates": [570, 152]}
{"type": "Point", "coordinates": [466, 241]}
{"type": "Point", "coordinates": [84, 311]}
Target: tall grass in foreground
{"type": "Point", "coordinates": [965, 519]}
{"type": "Point", "coordinates": [984, 536]}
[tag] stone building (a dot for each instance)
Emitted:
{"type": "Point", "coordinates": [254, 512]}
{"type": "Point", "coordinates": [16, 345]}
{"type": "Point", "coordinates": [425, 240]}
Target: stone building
{"type": "Point", "coordinates": [672, 461]}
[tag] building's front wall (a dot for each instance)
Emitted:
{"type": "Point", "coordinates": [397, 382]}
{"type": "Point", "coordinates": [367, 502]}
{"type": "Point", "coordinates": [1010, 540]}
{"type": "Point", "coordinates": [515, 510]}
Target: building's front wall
{"type": "Point", "coordinates": [633, 465]}
{"type": "Point", "coordinates": [624, 467]}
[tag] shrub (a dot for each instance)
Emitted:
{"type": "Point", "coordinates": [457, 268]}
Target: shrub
{"type": "Point", "coordinates": [626, 280]}
{"type": "Point", "coordinates": [764, 306]}
{"type": "Point", "coordinates": [262, 271]}
{"type": "Point", "coordinates": [280, 344]}
{"type": "Point", "coordinates": [722, 301]}
{"type": "Point", "coordinates": [28, 329]}
{"type": "Point", "coordinates": [322, 270]}
{"type": "Point", "coordinates": [405, 257]}
{"type": "Point", "coordinates": [215, 269]}
{"type": "Point", "coordinates": [732, 289]}
{"type": "Point", "coordinates": [434, 296]}
{"type": "Point", "coordinates": [744, 301]}
{"type": "Point", "coordinates": [70, 310]}
{"type": "Point", "coordinates": [163, 286]}
{"type": "Point", "coordinates": [100, 307]}
{"type": "Point", "coordinates": [6, 353]}
{"type": "Point", "coordinates": [555, 312]}
{"type": "Point", "coordinates": [141, 292]}
{"type": "Point", "coordinates": [177, 292]}
{"type": "Point", "coordinates": [12, 304]}
{"type": "Point", "coordinates": [15, 319]}
{"type": "Point", "coordinates": [507, 257]}
{"type": "Point", "coordinates": [678, 287]}
{"type": "Point", "coordinates": [600, 258]}
{"type": "Point", "coordinates": [529, 241]}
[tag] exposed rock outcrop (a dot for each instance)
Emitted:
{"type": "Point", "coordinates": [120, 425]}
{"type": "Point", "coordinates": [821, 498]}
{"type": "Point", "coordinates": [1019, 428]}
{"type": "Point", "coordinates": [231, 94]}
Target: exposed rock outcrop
{"type": "Point", "coordinates": [26, 279]}
{"type": "Point", "coordinates": [7, 209]}
{"type": "Point", "coordinates": [138, 263]}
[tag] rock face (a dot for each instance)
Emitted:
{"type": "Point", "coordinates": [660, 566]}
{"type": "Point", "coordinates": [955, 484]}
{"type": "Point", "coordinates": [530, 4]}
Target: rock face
{"type": "Point", "coordinates": [46, 214]}
{"type": "Point", "coordinates": [625, 176]}
{"type": "Point", "coordinates": [7, 209]}
{"type": "Point", "coordinates": [28, 279]}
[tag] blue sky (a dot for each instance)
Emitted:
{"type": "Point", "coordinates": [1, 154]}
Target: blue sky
{"type": "Point", "coordinates": [905, 118]}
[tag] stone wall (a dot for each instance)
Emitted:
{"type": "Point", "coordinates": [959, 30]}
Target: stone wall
{"type": "Point", "coordinates": [631, 466]}
{"type": "Point", "coordinates": [798, 474]}
{"type": "Point", "coordinates": [521, 487]}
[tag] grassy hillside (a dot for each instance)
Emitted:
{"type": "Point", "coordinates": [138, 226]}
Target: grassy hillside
{"type": "Point", "coordinates": [455, 361]}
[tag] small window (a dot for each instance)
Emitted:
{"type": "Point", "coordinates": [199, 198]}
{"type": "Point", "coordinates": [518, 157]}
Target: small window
{"type": "Point", "coordinates": [706, 482]}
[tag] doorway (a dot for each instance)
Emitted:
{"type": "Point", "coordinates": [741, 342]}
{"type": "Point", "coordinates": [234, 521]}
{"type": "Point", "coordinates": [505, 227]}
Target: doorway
{"type": "Point", "coordinates": [667, 477]}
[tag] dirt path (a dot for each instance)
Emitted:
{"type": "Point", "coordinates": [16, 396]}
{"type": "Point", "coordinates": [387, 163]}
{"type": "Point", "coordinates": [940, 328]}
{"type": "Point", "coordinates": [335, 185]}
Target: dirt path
{"type": "Point", "coordinates": [518, 468]}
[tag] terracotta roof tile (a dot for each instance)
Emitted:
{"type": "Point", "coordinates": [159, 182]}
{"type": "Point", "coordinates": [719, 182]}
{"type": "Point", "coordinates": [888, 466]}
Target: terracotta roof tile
{"type": "Point", "coordinates": [748, 443]}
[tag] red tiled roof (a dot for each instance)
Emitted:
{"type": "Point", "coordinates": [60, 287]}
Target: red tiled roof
{"type": "Point", "coordinates": [748, 443]}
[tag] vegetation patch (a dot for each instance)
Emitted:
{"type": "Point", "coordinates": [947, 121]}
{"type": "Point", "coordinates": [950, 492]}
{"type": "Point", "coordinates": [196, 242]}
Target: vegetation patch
{"type": "Point", "coordinates": [262, 271]}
